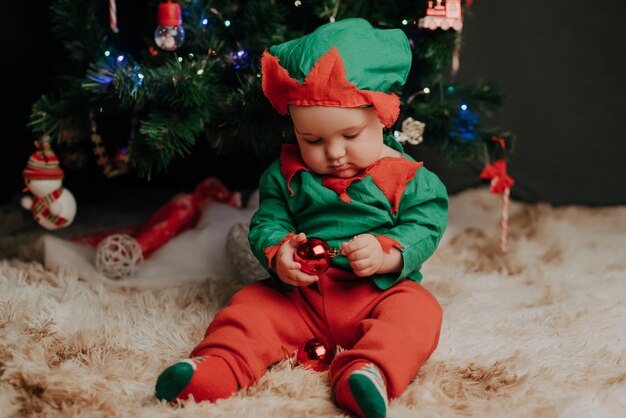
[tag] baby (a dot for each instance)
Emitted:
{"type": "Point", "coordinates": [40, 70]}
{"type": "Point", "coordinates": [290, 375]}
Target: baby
{"type": "Point", "coordinates": [348, 184]}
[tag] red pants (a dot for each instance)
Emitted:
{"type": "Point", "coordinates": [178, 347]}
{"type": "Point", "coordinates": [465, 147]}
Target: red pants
{"type": "Point", "coordinates": [396, 329]}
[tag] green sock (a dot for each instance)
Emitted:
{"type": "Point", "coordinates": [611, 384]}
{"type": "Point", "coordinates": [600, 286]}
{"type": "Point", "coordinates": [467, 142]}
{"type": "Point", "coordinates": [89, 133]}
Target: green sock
{"type": "Point", "coordinates": [206, 378]}
{"type": "Point", "coordinates": [175, 379]}
{"type": "Point", "coordinates": [363, 392]}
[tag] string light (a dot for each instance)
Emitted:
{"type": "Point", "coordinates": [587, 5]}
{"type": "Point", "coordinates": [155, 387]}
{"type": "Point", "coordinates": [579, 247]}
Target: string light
{"type": "Point", "coordinates": [200, 71]}
{"type": "Point", "coordinates": [426, 90]}
{"type": "Point", "coordinates": [405, 22]}
{"type": "Point", "coordinates": [107, 53]}
{"type": "Point", "coordinates": [120, 58]}
{"type": "Point", "coordinates": [297, 3]}
{"type": "Point", "coordinates": [205, 22]}
{"type": "Point", "coordinates": [239, 59]}
{"type": "Point", "coordinates": [227, 23]}
{"type": "Point", "coordinates": [463, 107]}
{"type": "Point", "coordinates": [451, 89]}
{"type": "Point", "coordinates": [180, 59]}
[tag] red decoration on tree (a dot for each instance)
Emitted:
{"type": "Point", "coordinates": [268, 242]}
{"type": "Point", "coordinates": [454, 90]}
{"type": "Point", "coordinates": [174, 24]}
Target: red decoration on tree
{"type": "Point", "coordinates": [169, 34]}
{"type": "Point", "coordinates": [500, 181]}
{"type": "Point", "coordinates": [113, 16]}
{"type": "Point", "coordinates": [446, 15]}
{"type": "Point", "coordinates": [315, 354]}
{"type": "Point", "coordinates": [315, 256]}
{"type": "Point", "coordinates": [443, 15]}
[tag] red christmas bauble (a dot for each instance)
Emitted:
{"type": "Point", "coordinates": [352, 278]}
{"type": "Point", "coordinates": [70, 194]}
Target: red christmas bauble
{"type": "Point", "coordinates": [315, 354]}
{"type": "Point", "coordinates": [314, 256]}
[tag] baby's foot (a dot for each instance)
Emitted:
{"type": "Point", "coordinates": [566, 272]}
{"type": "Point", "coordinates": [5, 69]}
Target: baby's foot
{"type": "Point", "coordinates": [363, 391]}
{"type": "Point", "coordinates": [204, 378]}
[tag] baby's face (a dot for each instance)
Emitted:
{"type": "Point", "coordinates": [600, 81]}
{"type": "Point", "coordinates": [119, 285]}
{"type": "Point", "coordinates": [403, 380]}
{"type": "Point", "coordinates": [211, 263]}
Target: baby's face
{"type": "Point", "coordinates": [337, 141]}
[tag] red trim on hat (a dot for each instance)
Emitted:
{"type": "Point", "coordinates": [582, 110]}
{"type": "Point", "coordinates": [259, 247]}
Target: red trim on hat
{"type": "Point", "coordinates": [43, 164]}
{"type": "Point", "coordinates": [43, 175]}
{"type": "Point", "coordinates": [325, 85]}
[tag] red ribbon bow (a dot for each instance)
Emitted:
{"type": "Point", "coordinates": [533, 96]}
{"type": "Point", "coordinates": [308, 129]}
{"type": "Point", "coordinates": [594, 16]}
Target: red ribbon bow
{"type": "Point", "coordinates": [500, 181]}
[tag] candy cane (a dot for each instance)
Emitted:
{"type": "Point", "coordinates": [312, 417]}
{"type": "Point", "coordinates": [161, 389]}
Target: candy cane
{"type": "Point", "coordinates": [504, 223]}
{"type": "Point", "coordinates": [113, 16]}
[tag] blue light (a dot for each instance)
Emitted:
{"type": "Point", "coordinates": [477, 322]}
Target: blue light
{"type": "Point", "coordinates": [205, 22]}
{"type": "Point", "coordinates": [465, 125]}
{"type": "Point", "coordinates": [451, 89]}
{"type": "Point", "coordinates": [239, 59]}
{"type": "Point", "coordinates": [227, 23]}
{"type": "Point", "coordinates": [120, 58]}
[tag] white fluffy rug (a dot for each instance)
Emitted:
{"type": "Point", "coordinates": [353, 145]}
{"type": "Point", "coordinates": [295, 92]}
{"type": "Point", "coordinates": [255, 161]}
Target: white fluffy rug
{"type": "Point", "coordinates": [539, 332]}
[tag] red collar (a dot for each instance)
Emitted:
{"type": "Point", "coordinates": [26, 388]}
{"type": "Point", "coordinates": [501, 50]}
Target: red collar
{"type": "Point", "coordinates": [390, 174]}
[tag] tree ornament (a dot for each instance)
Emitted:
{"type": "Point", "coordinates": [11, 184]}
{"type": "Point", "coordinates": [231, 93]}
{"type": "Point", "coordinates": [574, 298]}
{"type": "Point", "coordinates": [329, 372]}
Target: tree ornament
{"type": "Point", "coordinates": [102, 157]}
{"type": "Point", "coordinates": [446, 16]}
{"type": "Point", "coordinates": [118, 256]}
{"type": "Point", "coordinates": [501, 183]}
{"type": "Point", "coordinates": [169, 34]}
{"type": "Point", "coordinates": [443, 15]}
{"type": "Point", "coordinates": [113, 16]}
{"type": "Point", "coordinates": [315, 354]}
{"type": "Point", "coordinates": [315, 256]}
{"type": "Point", "coordinates": [52, 206]}
{"type": "Point", "coordinates": [412, 132]}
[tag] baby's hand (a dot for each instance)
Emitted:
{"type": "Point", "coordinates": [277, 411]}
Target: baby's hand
{"type": "Point", "coordinates": [289, 270]}
{"type": "Point", "coordinates": [364, 253]}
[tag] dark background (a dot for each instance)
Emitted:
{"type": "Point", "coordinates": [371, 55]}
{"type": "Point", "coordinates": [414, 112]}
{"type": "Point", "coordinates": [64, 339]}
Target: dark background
{"type": "Point", "coordinates": [560, 64]}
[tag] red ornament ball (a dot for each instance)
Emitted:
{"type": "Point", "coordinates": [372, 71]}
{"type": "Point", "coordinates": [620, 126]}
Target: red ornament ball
{"type": "Point", "coordinates": [315, 354]}
{"type": "Point", "coordinates": [314, 256]}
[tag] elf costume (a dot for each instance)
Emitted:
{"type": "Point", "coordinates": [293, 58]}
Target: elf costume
{"type": "Point", "coordinates": [388, 323]}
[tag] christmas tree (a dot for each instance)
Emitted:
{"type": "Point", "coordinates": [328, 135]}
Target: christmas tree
{"type": "Point", "coordinates": [149, 80]}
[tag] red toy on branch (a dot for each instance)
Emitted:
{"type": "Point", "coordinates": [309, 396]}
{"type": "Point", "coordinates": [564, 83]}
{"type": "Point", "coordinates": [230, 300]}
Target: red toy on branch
{"type": "Point", "coordinates": [315, 354]}
{"type": "Point", "coordinates": [169, 34]}
{"type": "Point", "coordinates": [315, 256]}
{"type": "Point", "coordinates": [443, 15]}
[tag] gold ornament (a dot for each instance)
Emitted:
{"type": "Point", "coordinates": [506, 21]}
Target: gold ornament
{"type": "Point", "coordinates": [99, 150]}
{"type": "Point", "coordinates": [412, 132]}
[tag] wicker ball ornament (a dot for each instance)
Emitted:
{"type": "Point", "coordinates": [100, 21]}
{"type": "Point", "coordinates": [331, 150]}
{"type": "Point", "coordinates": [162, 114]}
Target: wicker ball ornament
{"type": "Point", "coordinates": [118, 256]}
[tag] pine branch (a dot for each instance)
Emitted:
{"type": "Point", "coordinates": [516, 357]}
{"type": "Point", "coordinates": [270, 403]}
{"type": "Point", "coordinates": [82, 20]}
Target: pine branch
{"type": "Point", "coordinates": [76, 23]}
{"type": "Point", "coordinates": [209, 89]}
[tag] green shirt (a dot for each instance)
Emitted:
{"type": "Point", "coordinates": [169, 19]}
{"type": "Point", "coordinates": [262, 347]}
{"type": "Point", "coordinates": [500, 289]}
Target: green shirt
{"type": "Point", "coordinates": [318, 211]}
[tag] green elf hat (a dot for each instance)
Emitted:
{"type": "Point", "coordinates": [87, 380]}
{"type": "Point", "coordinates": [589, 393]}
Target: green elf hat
{"type": "Point", "coordinates": [347, 63]}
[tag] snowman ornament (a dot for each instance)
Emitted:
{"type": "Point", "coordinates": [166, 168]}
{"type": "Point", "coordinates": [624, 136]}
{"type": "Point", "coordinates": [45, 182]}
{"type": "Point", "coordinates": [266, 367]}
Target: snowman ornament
{"type": "Point", "coordinates": [51, 205]}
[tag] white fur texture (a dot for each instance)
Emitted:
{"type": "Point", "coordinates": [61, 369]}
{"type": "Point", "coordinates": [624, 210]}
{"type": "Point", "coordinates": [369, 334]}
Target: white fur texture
{"type": "Point", "coordinates": [539, 332]}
